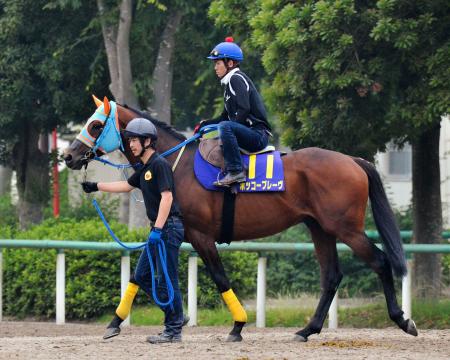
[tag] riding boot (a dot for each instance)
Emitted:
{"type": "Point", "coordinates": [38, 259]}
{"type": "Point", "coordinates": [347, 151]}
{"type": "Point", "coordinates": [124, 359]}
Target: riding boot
{"type": "Point", "coordinates": [231, 178]}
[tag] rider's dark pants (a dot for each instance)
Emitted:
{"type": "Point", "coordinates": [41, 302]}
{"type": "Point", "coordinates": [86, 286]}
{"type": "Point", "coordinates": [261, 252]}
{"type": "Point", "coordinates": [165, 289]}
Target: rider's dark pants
{"type": "Point", "coordinates": [234, 136]}
{"type": "Point", "coordinates": [172, 235]}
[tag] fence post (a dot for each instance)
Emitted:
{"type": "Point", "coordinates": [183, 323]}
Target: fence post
{"type": "Point", "coordinates": [406, 290]}
{"type": "Point", "coordinates": [1, 284]}
{"type": "Point", "coordinates": [261, 293]}
{"type": "Point", "coordinates": [192, 289]}
{"type": "Point", "coordinates": [124, 279]}
{"type": "Point", "coordinates": [60, 287]}
{"type": "Point", "coordinates": [333, 313]}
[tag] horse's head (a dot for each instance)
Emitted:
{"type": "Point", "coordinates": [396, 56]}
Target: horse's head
{"type": "Point", "coordinates": [100, 135]}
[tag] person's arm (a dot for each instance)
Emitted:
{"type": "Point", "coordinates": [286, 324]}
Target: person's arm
{"type": "Point", "coordinates": [216, 120]}
{"type": "Point", "coordinates": [241, 98]}
{"type": "Point", "coordinates": [164, 208]}
{"type": "Point", "coordinates": [115, 187]}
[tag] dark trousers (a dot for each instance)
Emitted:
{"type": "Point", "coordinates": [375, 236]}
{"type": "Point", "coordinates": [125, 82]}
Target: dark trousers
{"type": "Point", "coordinates": [234, 136]}
{"type": "Point", "coordinates": [172, 235]}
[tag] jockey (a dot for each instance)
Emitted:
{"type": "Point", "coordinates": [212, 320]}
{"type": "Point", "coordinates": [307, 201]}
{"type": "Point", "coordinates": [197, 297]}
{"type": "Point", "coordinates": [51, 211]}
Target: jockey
{"type": "Point", "coordinates": [243, 122]}
{"type": "Point", "coordinates": [155, 180]}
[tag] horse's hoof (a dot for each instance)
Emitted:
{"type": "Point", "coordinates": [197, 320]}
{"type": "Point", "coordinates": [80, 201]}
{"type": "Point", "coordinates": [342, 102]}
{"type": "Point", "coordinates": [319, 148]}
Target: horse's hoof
{"type": "Point", "coordinates": [411, 328]}
{"type": "Point", "coordinates": [234, 338]}
{"type": "Point", "coordinates": [111, 332]}
{"type": "Point", "coordinates": [300, 338]}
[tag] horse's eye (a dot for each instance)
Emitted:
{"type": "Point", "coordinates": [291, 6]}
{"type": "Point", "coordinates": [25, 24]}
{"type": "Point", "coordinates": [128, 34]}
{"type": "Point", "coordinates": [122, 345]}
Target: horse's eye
{"type": "Point", "coordinates": [97, 127]}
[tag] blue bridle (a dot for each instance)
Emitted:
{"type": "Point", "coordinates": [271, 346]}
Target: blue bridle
{"type": "Point", "coordinates": [109, 139]}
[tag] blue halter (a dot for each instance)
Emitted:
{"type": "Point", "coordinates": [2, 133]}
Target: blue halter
{"type": "Point", "coordinates": [109, 139]}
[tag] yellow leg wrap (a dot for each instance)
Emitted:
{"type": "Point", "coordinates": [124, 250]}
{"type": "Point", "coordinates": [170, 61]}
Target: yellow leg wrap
{"type": "Point", "coordinates": [124, 308]}
{"type": "Point", "coordinates": [235, 307]}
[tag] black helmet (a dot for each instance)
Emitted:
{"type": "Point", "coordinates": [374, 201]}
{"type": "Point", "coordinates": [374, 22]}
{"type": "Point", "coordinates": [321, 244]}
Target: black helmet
{"type": "Point", "coordinates": [141, 128]}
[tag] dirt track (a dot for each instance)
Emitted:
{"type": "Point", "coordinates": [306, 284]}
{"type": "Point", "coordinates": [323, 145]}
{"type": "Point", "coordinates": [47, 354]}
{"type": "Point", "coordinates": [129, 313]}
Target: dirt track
{"type": "Point", "coordinates": [26, 340]}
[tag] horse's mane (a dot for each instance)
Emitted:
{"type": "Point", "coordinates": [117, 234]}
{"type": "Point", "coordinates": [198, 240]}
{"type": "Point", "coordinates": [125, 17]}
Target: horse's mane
{"type": "Point", "coordinates": [166, 127]}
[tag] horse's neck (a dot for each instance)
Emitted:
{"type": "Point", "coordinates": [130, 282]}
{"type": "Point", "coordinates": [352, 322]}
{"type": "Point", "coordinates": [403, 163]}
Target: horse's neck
{"type": "Point", "coordinates": [165, 140]}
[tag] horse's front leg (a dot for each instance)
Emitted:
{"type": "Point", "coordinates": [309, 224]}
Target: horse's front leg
{"type": "Point", "coordinates": [206, 248]}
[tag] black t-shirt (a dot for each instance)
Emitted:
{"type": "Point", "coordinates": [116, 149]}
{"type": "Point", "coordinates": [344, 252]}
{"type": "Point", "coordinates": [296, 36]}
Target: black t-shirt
{"type": "Point", "coordinates": [153, 178]}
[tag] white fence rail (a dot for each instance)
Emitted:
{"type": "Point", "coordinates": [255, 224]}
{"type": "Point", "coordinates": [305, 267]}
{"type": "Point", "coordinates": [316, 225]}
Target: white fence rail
{"type": "Point", "coordinates": [259, 247]}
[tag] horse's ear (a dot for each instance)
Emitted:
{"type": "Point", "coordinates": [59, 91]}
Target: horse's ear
{"type": "Point", "coordinates": [106, 106]}
{"type": "Point", "coordinates": [97, 101]}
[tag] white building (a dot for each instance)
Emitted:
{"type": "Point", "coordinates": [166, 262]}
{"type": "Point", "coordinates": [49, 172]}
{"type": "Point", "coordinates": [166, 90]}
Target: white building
{"type": "Point", "coordinates": [395, 167]}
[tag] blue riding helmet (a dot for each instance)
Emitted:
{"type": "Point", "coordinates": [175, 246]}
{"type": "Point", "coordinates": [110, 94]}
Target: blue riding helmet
{"type": "Point", "coordinates": [227, 50]}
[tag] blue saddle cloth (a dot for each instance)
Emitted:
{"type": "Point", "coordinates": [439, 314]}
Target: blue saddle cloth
{"type": "Point", "coordinates": [265, 173]}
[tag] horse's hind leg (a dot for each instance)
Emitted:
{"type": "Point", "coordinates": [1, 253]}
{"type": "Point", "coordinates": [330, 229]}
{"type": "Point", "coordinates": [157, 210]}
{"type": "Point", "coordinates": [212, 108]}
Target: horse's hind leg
{"type": "Point", "coordinates": [378, 261]}
{"type": "Point", "coordinates": [206, 248]}
{"type": "Point", "coordinates": [330, 275]}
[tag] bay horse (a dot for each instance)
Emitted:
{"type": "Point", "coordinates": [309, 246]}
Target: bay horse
{"type": "Point", "coordinates": [326, 190]}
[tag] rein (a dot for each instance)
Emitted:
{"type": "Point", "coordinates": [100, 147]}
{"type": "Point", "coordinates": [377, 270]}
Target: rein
{"type": "Point", "coordinates": [162, 256]}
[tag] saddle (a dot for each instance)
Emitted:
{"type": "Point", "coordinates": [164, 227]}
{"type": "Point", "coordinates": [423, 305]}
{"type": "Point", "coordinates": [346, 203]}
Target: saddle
{"type": "Point", "coordinates": [209, 163]}
{"type": "Point", "coordinates": [211, 151]}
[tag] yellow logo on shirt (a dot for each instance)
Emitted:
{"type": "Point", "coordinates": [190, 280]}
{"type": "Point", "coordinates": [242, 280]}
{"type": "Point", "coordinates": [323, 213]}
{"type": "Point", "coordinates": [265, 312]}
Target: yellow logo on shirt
{"type": "Point", "coordinates": [148, 175]}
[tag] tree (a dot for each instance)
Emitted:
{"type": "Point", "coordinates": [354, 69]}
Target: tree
{"type": "Point", "coordinates": [116, 29]}
{"type": "Point", "coordinates": [41, 66]}
{"type": "Point", "coordinates": [160, 106]}
{"type": "Point", "coordinates": [351, 76]}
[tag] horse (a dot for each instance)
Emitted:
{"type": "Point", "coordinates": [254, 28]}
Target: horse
{"type": "Point", "coordinates": [326, 190]}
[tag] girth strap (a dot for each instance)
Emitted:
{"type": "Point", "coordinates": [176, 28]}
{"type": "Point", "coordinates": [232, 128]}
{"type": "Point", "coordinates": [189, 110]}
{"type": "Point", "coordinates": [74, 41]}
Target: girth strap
{"type": "Point", "coordinates": [228, 208]}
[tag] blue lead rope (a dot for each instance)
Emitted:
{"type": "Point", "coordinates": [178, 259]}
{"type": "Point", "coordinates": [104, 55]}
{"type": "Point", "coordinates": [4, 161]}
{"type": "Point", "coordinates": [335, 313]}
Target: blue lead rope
{"type": "Point", "coordinates": [161, 248]}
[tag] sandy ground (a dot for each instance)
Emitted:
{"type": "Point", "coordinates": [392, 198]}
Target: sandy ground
{"type": "Point", "coordinates": [33, 340]}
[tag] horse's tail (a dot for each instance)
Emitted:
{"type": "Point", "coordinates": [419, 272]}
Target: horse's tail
{"type": "Point", "coordinates": [384, 219]}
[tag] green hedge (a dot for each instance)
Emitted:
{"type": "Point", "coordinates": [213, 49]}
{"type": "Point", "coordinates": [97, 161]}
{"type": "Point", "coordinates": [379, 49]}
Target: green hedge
{"type": "Point", "coordinates": [93, 277]}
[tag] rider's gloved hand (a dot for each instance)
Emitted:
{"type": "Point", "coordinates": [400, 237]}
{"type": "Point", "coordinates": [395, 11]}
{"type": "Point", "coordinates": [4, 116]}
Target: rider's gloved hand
{"type": "Point", "coordinates": [89, 187]}
{"type": "Point", "coordinates": [155, 235]}
{"type": "Point", "coordinates": [199, 126]}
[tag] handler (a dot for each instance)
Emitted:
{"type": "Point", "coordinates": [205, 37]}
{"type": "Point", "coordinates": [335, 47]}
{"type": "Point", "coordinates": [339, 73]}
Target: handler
{"type": "Point", "coordinates": [155, 180]}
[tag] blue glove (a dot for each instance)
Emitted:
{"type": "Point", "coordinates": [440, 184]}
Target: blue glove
{"type": "Point", "coordinates": [155, 235]}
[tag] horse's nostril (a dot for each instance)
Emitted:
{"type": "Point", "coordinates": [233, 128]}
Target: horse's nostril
{"type": "Point", "coordinates": [67, 158]}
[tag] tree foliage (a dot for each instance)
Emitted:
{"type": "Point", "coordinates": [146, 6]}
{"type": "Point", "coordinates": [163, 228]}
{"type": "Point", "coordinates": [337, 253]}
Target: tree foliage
{"type": "Point", "coordinates": [351, 75]}
{"type": "Point", "coordinates": [44, 57]}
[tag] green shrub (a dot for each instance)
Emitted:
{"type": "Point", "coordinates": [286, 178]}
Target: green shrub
{"type": "Point", "coordinates": [8, 212]}
{"type": "Point", "coordinates": [93, 277]}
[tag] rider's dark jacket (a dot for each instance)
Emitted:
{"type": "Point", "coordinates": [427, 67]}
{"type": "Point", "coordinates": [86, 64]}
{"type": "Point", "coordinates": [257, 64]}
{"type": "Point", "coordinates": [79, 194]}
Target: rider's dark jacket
{"type": "Point", "coordinates": [243, 103]}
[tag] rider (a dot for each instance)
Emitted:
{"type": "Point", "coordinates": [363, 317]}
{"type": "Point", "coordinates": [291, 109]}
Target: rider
{"type": "Point", "coordinates": [155, 180]}
{"type": "Point", "coordinates": [243, 122]}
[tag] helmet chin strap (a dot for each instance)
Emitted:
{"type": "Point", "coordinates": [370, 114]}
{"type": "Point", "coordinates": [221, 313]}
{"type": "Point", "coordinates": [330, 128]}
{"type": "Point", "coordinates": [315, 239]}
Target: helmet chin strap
{"type": "Point", "coordinates": [144, 148]}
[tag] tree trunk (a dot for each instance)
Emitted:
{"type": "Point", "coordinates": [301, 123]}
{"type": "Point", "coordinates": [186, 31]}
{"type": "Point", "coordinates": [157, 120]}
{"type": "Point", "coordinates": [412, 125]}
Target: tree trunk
{"type": "Point", "coordinates": [5, 180]}
{"type": "Point", "coordinates": [163, 73]}
{"type": "Point", "coordinates": [126, 92]}
{"type": "Point", "coordinates": [427, 211]}
{"type": "Point", "coordinates": [109, 32]}
{"type": "Point", "coordinates": [33, 179]}
{"type": "Point", "coordinates": [117, 45]}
